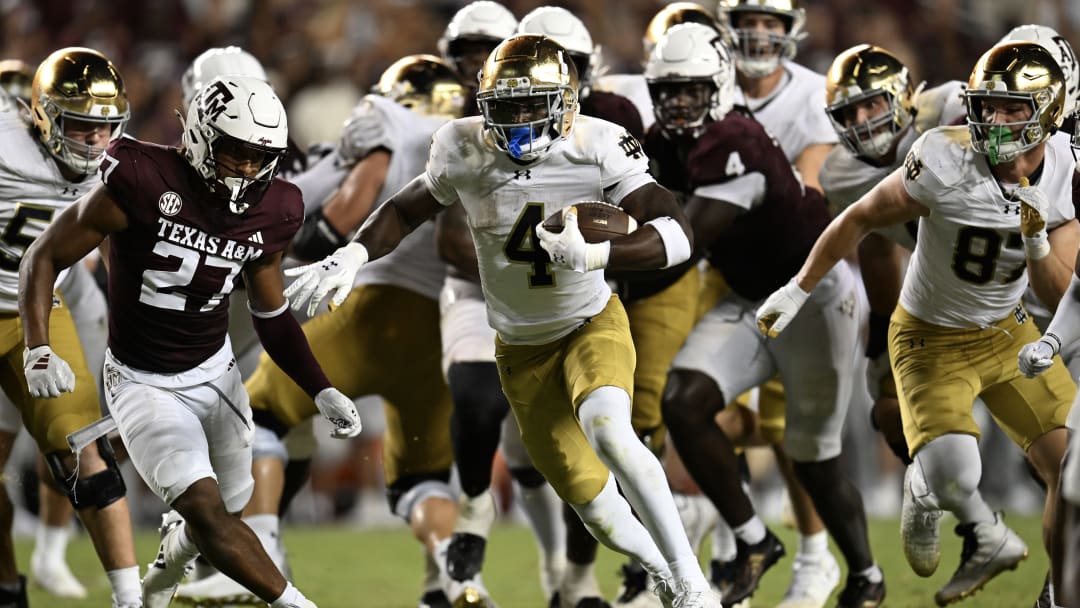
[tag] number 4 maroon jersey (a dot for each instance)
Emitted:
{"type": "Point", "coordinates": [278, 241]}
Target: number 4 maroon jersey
{"type": "Point", "coordinates": [172, 269]}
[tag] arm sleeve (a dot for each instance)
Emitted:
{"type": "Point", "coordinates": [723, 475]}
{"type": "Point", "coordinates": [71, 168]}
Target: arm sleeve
{"type": "Point", "coordinates": [285, 342]}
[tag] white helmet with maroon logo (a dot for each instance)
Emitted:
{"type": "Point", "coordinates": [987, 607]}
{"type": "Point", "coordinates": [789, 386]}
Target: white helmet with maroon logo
{"type": "Point", "coordinates": [244, 114]}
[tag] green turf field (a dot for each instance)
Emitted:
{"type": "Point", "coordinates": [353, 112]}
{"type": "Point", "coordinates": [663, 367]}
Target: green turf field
{"type": "Point", "coordinates": [345, 568]}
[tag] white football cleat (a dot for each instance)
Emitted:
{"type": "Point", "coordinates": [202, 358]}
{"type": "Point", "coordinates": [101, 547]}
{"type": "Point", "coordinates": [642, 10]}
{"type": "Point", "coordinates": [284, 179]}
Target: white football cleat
{"type": "Point", "coordinates": [163, 575]}
{"type": "Point", "coordinates": [55, 577]}
{"type": "Point", "coordinates": [813, 579]}
{"type": "Point", "coordinates": [920, 532]}
{"type": "Point", "coordinates": [215, 590]}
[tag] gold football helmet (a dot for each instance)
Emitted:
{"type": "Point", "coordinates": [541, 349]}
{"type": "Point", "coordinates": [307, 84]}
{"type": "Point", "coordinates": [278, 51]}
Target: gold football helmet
{"type": "Point", "coordinates": [16, 78]}
{"type": "Point", "coordinates": [528, 95]}
{"type": "Point", "coordinates": [674, 14]}
{"type": "Point", "coordinates": [857, 75]}
{"type": "Point", "coordinates": [80, 85]}
{"type": "Point", "coordinates": [425, 84]}
{"type": "Point", "coordinates": [757, 53]}
{"type": "Point", "coordinates": [1018, 72]}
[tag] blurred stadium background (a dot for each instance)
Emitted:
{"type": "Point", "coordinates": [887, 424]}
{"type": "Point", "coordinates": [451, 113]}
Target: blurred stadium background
{"type": "Point", "coordinates": [322, 56]}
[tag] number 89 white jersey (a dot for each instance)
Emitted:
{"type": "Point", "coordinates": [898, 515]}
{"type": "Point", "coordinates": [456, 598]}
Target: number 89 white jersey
{"type": "Point", "coordinates": [529, 300]}
{"type": "Point", "coordinates": [968, 268]}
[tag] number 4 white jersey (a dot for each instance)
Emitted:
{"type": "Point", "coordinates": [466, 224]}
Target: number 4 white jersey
{"type": "Point", "coordinates": [968, 268]}
{"type": "Point", "coordinates": [529, 300]}
{"type": "Point", "coordinates": [32, 194]}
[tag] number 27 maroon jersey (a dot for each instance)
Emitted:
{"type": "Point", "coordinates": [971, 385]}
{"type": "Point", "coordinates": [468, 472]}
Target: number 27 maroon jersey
{"type": "Point", "coordinates": [172, 269]}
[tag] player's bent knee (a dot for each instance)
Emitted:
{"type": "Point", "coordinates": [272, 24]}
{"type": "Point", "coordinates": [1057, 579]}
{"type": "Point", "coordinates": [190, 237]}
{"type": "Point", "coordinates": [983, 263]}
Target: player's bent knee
{"type": "Point", "coordinates": [690, 399]}
{"type": "Point", "coordinates": [238, 497]}
{"type": "Point", "coordinates": [406, 494]}
{"type": "Point", "coordinates": [477, 395]}
{"type": "Point", "coordinates": [528, 477]}
{"type": "Point", "coordinates": [98, 490]}
{"type": "Point", "coordinates": [267, 444]}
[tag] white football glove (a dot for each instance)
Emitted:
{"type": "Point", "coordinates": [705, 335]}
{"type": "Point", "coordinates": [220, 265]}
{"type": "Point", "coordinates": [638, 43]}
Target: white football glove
{"type": "Point", "coordinates": [334, 273]}
{"type": "Point", "coordinates": [47, 374]}
{"type": "Point", "coordinates": [362, 132]}
{"type": "Point", "coordinates": [1034, 209]}
{"type": "Point", "coordinates": [776, 313]}
{"type": "Point", "coordinates": [1037, 357]}
{"type": "Point", "coordinates": [568, 248]}
{"type": "Point", "coordinates": [340, 410]}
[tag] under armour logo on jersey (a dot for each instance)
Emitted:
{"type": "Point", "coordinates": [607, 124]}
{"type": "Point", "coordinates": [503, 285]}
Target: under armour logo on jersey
{"type": "Point", "coordinates": [65, 191]}
{"type": "Point", "coordinates": [527, 174]}
{"type": "Point", "coordinates": [215, 100]}
{"type": "Point", "coordinates": [1010, 209]}
{"type": "Point", "coordinates": [630, 145]}
{"type": "Point", "coordinates": [257, 237]}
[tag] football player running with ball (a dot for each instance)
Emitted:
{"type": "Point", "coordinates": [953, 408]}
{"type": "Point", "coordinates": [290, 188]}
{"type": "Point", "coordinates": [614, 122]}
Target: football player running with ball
{"type": "Point", "coordinates": [563, 346]}
{"type": "Point", "coordinates": [182, 225]}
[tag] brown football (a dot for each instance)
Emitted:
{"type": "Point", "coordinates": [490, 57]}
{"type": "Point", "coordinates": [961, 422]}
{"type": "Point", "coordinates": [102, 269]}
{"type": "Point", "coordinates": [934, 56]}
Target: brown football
{"type": "Point", "coordinates": [598, 221]}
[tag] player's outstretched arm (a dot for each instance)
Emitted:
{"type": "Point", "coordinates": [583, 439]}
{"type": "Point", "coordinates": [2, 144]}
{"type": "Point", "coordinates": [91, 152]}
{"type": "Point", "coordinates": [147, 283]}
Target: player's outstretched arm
{"type": "Point", "coordinates": [455, 244]}
{"type": "Point", "coordinates": [284, 340]}
{"type": "Point", "coordinates": [74, 233]}
{"type": "Point", "coordinates": [887, 204]}
{"type": "Point", "coordinates": [393, 221]}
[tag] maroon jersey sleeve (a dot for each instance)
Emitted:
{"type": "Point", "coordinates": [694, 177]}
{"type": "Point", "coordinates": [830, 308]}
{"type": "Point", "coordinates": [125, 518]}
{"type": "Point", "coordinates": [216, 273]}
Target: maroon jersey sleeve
{"type": "Point", "coordinates": [614, 108]}
{"type": "Point", "coordinates": [789, 217]}
{"type": "Point", "coordinates": [172, 269]}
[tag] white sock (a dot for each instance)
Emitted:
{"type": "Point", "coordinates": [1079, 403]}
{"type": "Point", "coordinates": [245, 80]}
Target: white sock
{"type": "Point", "coordinates": [543, 509]}
{"type": "Point", "coordinates": [872, 574]}
{"type": "Point", "coordinates": [578, 582]}
{"type": "Point", "coordinates": [50, 543]}
{"type": "Point", "coordinates": [724, 548]}
{"type": "Point", "coordinates": [752, 532]}
{"type": "Point", "coordinates": [126, 587]}
{"type": "Point", "coordinates": [609, 519]}
{"type": "Point", "coordinates": [476, 514]}
{"type": "Point", "coordinates": [267, 528]}
{"type": "Point", "coordinates": [605, 418]}
{"type": "Point", "coordinates": [183, 548]}
{"type": "Point", "coordinates": [290, 598]}
{"type": "Point", "coordinates": [812, 545]}
{"type": "Point", "coordinates": [439, 555]}
{"type": "Point", "coordinates": [950, 467]}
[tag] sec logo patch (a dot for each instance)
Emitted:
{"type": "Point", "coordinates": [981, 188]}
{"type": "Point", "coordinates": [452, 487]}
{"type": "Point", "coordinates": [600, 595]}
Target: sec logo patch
{"type": "Point", "coordinates": [169, 203]}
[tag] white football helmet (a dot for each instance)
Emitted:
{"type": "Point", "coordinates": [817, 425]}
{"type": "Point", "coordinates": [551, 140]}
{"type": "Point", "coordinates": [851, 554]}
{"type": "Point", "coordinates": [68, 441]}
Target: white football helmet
{"type": "Point", "coordinates": [1059, 49]}
{"type": "Point", "coordinates": [564, 27]}
{"type": "Point", "coordinates": [758, 54]}
{"type": "Point", "coordinates": [691, 78]}
{"type": "Point", "coordinates": [241, 112]}
{"type": "Point", "coordinates": [480, 21]}
{"type": "Point", "coordinates": [221, 61]}
{"type": "Point", "coordinates": [77, 84]}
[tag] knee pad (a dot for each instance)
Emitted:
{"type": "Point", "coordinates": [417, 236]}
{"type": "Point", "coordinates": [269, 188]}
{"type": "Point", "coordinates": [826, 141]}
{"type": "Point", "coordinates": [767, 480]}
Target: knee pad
{"type": "Point", "coordinates": [98, 490]}
{"type": "Point", "coordinates": [407, 492]}
{"type": "Point", "coordinates": [267, 444]}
